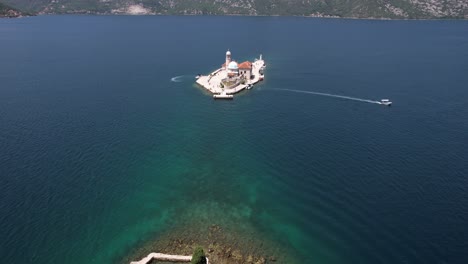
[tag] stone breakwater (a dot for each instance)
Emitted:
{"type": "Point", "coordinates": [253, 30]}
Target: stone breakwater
{"type": "Point", "coordinates": [165, 257]}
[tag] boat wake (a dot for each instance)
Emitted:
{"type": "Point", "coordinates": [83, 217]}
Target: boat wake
{"type": "Point", "coordinates": [181, 78]}
{"type": "Point", "coordinates": [331, 95]}
{"type": "Point", "coordinates": [177, 78]}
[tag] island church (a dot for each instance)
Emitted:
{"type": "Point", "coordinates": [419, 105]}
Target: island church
{"type": "Point", "coordinates": [233, 69]}
{"type": "Point", "coordinates": [232, 77]}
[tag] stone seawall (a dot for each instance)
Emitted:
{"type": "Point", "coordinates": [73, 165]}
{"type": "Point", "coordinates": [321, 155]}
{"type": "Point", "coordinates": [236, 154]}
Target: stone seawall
{"type": "Point", "coordinates": [165, 257]}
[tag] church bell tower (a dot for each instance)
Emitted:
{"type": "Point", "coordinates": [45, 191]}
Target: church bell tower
{"type": "Point", "coordinates": [228, 59]}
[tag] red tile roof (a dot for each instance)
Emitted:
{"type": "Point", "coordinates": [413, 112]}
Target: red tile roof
{"type": "Point", "coordinates": [245, 65]}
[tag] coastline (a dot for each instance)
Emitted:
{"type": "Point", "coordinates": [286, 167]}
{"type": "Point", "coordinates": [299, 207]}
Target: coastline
{"type": "Point", "coordinates": [227, 234]}
{"type": "Point", "coordinates": [247, 15]}
{"type": "Point", "coordinates": [221, 245]}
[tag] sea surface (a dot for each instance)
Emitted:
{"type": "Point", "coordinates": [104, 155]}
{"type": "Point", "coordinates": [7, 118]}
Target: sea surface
{"type": "Point", "coordinates": [106, 143]}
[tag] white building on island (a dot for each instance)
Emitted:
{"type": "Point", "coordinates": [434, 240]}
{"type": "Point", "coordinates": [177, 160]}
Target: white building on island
{"type": "Point", "coordinates": [234, 69]}
{"type": "Point", "coordinates": [232, 77]}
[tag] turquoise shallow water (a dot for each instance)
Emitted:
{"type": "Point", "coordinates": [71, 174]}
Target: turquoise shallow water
{"type": "Point", "coordinates": [102, 153]}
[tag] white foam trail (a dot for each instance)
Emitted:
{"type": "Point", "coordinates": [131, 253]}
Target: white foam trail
{"type": "Point", "coordinates": [181, 78]}
{"type": "Point", "coordinates": [331, 95]}
{"type": "Point", "coordinates": [177, 78]}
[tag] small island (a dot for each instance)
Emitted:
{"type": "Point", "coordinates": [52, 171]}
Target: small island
{"type": "Point", "coordinates": [232, 77]}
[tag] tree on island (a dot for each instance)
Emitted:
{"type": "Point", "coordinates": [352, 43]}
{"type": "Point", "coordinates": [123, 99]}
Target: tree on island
{"type": "Point", "coordinates": [198, 256]}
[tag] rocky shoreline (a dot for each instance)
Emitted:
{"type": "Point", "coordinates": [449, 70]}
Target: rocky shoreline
{"type": "Point", "coordinates": [10, 12]}
{"type": "Point", "coordinates": [221, 247]}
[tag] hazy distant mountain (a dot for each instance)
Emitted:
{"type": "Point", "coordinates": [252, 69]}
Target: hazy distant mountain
{"type": "Point", "coordinates": [338, 8]}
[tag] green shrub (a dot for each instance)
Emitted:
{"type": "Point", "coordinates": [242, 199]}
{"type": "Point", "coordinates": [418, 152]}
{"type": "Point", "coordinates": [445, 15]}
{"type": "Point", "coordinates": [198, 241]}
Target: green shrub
{"type": "Point", "coordinates": [198, 256]}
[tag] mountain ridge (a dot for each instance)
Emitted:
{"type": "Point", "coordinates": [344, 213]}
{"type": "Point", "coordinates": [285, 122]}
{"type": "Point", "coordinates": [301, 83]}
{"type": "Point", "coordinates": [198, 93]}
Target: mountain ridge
{"type": "Point", "coordinates": [382, 9]}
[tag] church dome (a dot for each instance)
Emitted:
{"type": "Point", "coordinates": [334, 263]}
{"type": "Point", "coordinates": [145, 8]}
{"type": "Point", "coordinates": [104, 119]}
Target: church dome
{"type": "Point", "coordinates": [233, 66]}
{"type": "Point", "coordinates": [228, 53]}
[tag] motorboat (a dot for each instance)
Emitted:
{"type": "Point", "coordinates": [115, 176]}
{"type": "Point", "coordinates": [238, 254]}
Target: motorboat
{"type": "Point", "coordinates": [198, 76]}
{"type": "Point", "coordinates": [385, 102]}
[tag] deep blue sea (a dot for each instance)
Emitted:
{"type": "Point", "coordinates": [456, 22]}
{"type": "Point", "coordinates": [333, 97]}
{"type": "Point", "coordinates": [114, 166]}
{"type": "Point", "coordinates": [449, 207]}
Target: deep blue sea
{"type": "Point", "coordinates": [106, 143]}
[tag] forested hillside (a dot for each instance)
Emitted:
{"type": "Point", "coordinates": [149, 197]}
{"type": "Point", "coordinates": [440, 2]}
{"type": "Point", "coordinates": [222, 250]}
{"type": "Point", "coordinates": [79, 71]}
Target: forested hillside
{"type": "Point", "coordinates": [336, 8]}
